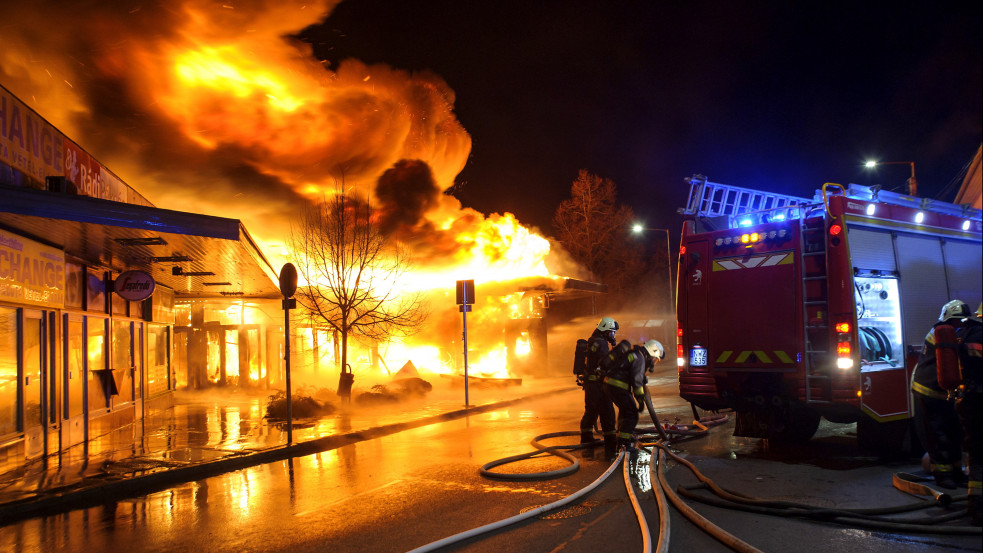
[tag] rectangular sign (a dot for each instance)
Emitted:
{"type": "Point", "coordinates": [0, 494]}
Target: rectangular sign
{"type": "Point", "coordinates": [31, 273]}
{"type": "Point", "coordinates": [90, 177]}
{"type": "Point", "coordinates": [28, 143]}
{"type": "Point", "coordinates": [465, 292]}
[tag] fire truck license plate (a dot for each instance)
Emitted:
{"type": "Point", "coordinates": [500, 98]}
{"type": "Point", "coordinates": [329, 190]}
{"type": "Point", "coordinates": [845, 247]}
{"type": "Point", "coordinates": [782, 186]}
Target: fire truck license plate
{"type": "Point", "coordinates": [698, 357]}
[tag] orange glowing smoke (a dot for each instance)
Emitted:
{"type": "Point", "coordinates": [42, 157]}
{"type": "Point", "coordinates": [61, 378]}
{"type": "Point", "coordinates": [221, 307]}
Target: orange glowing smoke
{"type": "Point", "coordinates": [211, 108]}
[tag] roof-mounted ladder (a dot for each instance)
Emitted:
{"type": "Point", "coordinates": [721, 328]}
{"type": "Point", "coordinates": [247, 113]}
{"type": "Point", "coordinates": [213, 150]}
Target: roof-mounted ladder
{"type": "Point", "coordinates": [711, 199]}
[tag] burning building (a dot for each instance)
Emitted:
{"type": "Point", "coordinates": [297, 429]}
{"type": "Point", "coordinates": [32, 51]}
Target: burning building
{"type": "Point", "coordinates": [212, 113]}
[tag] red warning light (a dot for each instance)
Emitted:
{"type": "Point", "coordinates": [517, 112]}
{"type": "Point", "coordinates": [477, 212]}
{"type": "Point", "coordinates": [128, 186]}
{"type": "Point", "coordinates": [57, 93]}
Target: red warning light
{"type": "Point", "coordinates": [835, 230]}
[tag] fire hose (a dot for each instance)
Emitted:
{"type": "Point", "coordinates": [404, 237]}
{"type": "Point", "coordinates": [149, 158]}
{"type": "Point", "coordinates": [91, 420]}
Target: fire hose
{"type": "Point", "coordinates": [862, 517]}
{"type": "Point", "coordinates": [523, 516]}
{"type": "Point", "coordinates": [871, 518]}
{"type": "Point", "coordinates": [663, 540]}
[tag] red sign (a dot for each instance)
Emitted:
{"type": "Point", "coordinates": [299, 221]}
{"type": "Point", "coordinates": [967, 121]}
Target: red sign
{"type": "Point", "coordinates": [134, 285]}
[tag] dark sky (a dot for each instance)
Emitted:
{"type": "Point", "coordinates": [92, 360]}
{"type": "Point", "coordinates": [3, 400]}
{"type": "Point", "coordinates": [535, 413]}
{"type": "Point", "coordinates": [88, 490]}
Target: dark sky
{"type": "Point", "coordinates": [781, 96]}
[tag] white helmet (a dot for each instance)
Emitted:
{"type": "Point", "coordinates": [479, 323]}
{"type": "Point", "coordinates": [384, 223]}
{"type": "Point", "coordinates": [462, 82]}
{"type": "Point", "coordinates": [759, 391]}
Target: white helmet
{"type": "Point", "coordinates": [655, 349]}
{"type": "Point", "coordinates": [607, 324]}
{"type": "Point", "coordinates": [954, 309]}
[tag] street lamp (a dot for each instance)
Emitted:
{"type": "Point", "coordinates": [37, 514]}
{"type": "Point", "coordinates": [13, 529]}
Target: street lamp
{"type": "Point", "coordinates": [912, 183]}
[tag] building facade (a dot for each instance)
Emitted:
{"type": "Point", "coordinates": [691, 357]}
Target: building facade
{"type": "Point", "coordinates": [93, 279]}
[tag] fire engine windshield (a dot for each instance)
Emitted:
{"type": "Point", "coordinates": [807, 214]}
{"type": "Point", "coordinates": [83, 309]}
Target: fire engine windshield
{"type": "Point", "coordinates": [878, 319]}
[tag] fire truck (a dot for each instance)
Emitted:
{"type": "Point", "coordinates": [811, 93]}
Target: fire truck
{"type": "Point", "coordinates": [793, 309]}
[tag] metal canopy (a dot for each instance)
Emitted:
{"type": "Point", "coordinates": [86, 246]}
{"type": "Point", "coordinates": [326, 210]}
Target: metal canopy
{"type": "Point", "coordinates": [179, 249]}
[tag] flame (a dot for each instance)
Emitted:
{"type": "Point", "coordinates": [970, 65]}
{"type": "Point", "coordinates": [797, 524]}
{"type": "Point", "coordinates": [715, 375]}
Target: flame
{"type": "Point", "coordinates": [208, 108]}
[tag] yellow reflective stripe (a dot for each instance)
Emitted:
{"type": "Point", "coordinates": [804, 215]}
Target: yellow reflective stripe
{"type": "Point", "coordinates": [592, 377]}
{"type": "Point", "coordinates": [639, 391]}
{"type": "Point", "coordinates": [975, 487]}
{"type": "Point", "coordinates": [753, 262]}
{"type": "Point", "coordinates": [762, 356]}
{"type": "Point", "coordinates": [930, 337]}
{"type": "Point", "coordinates": [940, 468]}
{"type": "Point", "coordinates": [926, 391]}
{"type": "Point", "coordinates": [616, 383]}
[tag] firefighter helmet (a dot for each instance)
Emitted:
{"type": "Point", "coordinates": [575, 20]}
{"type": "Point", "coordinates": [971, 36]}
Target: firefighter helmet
{"type": "Point", "coordinates": [655, 349]}
{"type": "Point", "coordinates": [954, 309]}
{"type": "Point", "coordinates": [607, 324]}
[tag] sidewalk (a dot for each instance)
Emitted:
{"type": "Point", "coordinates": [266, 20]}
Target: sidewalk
{"type": "Point", "coordinates": [209, 433]}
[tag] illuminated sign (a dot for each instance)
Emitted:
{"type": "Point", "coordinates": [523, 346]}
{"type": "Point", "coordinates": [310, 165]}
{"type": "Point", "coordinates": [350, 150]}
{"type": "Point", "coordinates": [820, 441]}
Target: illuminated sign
{"type": "Point", "coordinates": [134, 285]}
{"type": "Point", "coordinates": [30, 272]}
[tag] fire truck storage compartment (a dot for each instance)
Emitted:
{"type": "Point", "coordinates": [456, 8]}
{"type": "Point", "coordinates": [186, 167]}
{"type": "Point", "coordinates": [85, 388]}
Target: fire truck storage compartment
{"type": "Point", "coordinates": [929, 271]}
{"type": "Point", "coordinates": [878, 318]}
{"type": "Point", "coordinates": [901, 280]}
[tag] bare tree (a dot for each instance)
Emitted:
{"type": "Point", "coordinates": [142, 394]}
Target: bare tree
{"type": "Point", "coordinates": [593, 227]}
{"type": "Point", "coordinates": [353, 274]}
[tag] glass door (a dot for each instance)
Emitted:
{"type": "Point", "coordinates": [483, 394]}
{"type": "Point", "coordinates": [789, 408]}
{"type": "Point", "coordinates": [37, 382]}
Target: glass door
{"type": "Point", "coordinates": [33, 365]}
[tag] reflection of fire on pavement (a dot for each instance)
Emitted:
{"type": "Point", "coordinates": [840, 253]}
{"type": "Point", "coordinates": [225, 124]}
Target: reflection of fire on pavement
{"type": "Point", "coordinates": [482, 381]}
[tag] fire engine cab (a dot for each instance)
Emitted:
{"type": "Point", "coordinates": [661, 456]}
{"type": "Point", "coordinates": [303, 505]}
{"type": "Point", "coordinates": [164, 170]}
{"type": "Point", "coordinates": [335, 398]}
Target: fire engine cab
{"type": "Point", "coordinates": [790, 309]}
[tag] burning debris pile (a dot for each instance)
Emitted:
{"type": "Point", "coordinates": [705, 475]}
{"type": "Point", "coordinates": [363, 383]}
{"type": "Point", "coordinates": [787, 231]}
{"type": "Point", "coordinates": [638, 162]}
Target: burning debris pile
{"type": "Point", "coordinates": [305, 403]}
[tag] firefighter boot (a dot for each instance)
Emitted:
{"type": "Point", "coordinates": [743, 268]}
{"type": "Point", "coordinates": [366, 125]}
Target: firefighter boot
{"type": "Point", "coordinates": [587, 441]}
{"type": "Point", "coordinates": [610, 448]}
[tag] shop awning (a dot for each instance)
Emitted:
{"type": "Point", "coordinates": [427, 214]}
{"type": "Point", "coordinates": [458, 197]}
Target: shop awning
{"type": "Point", "coordinates": [199, 256]}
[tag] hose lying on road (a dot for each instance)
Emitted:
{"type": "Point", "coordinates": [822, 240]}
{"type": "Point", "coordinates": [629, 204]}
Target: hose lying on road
{"type": "Point", "coordinates": [643, 524]}
{"type": "Point", "coordinates": [864, 517]}
{"type": "Point", "coordinates": [523, 516]}
{"type": "Point", "coordinates": [702, 523]}
{"type": "Point", "coordinates": [541, 449]}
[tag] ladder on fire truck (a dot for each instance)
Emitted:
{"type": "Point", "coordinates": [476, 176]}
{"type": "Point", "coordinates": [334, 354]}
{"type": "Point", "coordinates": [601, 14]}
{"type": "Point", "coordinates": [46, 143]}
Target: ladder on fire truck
{"type": "Point", "coordinates": [743, 206]}
{"type": "Point", "coordinates": [815, 305]}
{"type": "Point", "coordinates": [710, 199]}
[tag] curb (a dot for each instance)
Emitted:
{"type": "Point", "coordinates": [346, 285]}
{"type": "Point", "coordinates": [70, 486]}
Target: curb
{"type": "Point", "coordinates": [109, 492]}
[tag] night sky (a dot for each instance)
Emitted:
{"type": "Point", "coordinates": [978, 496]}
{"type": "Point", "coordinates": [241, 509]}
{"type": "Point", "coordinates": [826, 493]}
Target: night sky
{"type": "Point", "coordinates": [780, 96]}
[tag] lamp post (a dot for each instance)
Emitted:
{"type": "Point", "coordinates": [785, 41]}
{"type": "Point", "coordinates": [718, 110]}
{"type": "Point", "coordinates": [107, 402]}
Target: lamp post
{"type": "Point", "coordinates": [912, 183]}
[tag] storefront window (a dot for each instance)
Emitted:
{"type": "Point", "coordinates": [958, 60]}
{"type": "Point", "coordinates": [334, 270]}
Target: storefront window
{"type": "Point", "coordinates": [232, 357]}
{"type": "Point", "coordinates": [213, 356]}
{"type": "Point", "coordinates": [96, 349]}
{"type": "Point", "coordinates": [123, 360]}
{"type": "Point", "coordinates": [157, 348]}
{"type": "Point", "coordinates": [32, 373]}
{"type": "Point", "coordinates": [8, 370]}
{"type": "Point", "coordinates": [74, 369]}
{"type": "Point", "coordinates": [95, 291]}
{"type": "Point", "coordinates": [74, 281]}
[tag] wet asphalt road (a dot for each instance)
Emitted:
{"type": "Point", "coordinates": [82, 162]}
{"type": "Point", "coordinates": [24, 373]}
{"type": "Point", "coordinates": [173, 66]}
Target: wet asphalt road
{"type": "Point", "coordinates": [409, 489]}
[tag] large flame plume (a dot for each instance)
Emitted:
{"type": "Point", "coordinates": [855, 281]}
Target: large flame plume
{"type": "Point", "coordinates": [212, 107]}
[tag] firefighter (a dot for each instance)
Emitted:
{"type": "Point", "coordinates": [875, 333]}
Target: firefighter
{"type": "Point", "coordinates": [625, 387]}
{"type": "Point", "coordinates": [935, 415]}
{"type": "Point", "coordinates": [596, 404]}
{"type": "Point", "coordinates": [969, 406]}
